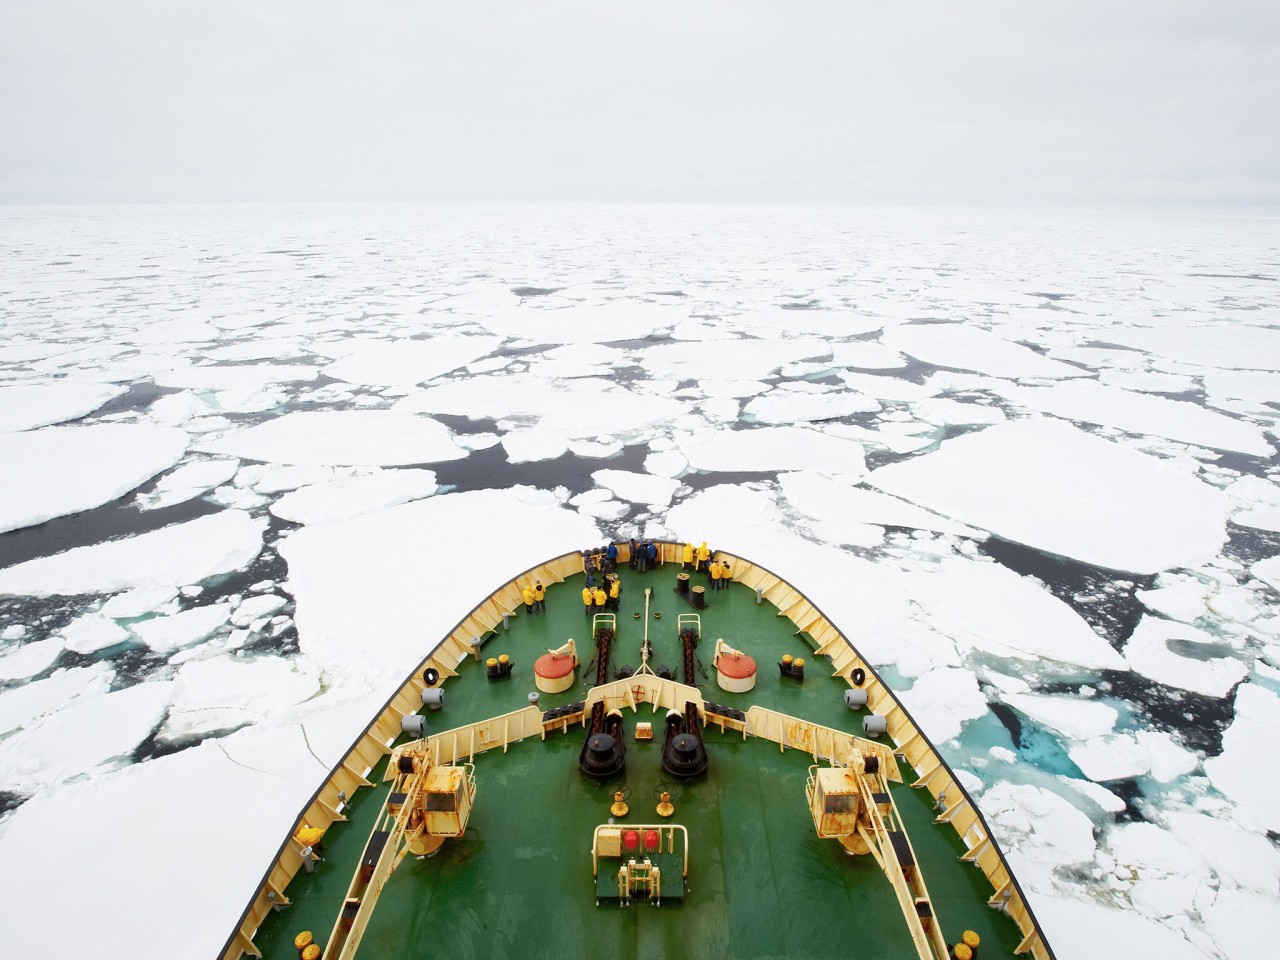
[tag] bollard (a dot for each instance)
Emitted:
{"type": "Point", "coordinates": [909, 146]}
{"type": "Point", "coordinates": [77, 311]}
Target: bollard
{"type": "Point", "coordinates": [759, 595]}
{"type": "Point", "coordinates": [433, 698]}
{"type": "Point", "coordinates": [309, 859]}
{"type": "Point", "coordinates": [506, 620]}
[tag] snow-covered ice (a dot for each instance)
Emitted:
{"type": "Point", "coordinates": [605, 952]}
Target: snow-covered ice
{"type": "Point", "coordinates": [987, 607]}
{"type": "Point", "coordinates": [180, 554]}
{"type": "Point", "coordinates": [224, 693]}
{"type": "Point", "coordinates": [408, 362]}
{"type": "Point", "coordinates": [87, 732]}
{"type": "Point", "coordinates": [178, 630]}
{"type": "Point", "coordinates": [1237, 772]}
{"type": "Point", "coordinates": [25, 406]}
{"type": "Point", "coordinates": [352, 496]}
{"type": "Point", "coordinates": [60, 470]}
{"type": "Point", "coordinates": [342, 438]}
{"type": "Point", "coordinates": [1053, 487]}
{"type": "Point", "coordinates": [1090, 402]}
{"type": "Point", "coordinates": [964, 347]}
{"type": "Point", "coordinates": [638, 487]}
{"type": "Point", "coordinates": [1075, 719]}
{"type": "Point", "coordinates": [773, 448]}
{"type": "Point", "coordinates": [1196, 668]}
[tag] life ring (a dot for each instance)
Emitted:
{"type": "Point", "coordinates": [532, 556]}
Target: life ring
{"type": "Point", "coordinates": [859, 675]}
{"type": "Point", "coordinates": [431, 676]}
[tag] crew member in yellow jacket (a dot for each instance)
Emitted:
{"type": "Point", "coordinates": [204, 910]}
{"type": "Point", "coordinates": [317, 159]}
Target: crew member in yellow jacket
{"type": "Point", "coordinates": [539, 596]}
{"type": "Point", "coordinates": [686, 557]}
{"type": "Point", "coordinates": [527, 594]}
{"type": "Point", "coordinates": [588, 600]}
{"type": "Point", "coordinates": [704, 554]}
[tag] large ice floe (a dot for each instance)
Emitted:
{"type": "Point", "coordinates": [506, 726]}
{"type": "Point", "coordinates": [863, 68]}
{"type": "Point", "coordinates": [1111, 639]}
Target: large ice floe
{"type": "Point", "coordinates": [408, 362]}
{"type": "Point", "coordinates": [1051, 486]}
{"type": "Point", "coordinates": [963, 347]}
{"type": "Point", "coordinates": [184, 553]}
{"type": "Point", "coordinates": [1139, 413]}
{"type": "Point", "coordinates": [60, 470]}
{"type": "Point", "coordinates": [345, 437]}
{"type": "Point", "coordinates": [24, 406]}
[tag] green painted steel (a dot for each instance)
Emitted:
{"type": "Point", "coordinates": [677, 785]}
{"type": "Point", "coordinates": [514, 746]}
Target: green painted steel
{"type": "Point", "coordinates": [760, 884]}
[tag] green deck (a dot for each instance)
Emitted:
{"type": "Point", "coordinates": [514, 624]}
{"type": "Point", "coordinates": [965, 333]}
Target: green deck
{"type": "Point", "coordinates": [760, 884]}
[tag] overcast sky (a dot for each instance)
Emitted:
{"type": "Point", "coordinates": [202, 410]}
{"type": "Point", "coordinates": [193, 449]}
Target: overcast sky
{"type": "Point", "coordinates": [1113, 102]}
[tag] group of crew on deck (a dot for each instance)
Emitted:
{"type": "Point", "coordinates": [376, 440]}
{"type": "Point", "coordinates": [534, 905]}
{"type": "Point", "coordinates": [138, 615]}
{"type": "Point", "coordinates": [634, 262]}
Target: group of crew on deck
{"type": "Point", "coordinates": [602, 597]}
{"type": "Point", "coordinates": [534, 597]}
{"type": "Point", "coordinates": [718, 572]}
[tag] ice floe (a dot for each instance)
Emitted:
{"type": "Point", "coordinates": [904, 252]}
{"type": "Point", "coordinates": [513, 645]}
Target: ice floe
{"type": "Point", "coordinates": [942, 700]}
{"type": "Point", "coordinates": [1255, 503]}
{"type": "Point", "coordinates": [391, 556]}
{"type": "Point", "coordinates": [1195, 668]}
{"type": "Point", "coordinates": [188, 482]}
{"type": "Point", "coordinates": [406, 362]}
{"type": "Point", "coordinates": [1268, 571]}
{"type": "Point", "coordinates": [224, 693]}
{"type": "Point", "coordinates": [773, 448]}
{"type": "Point", "coordinates": [1177, 596]}
{"type": "Point", "coordinates": [166, 805]}
{"type": "Point", "coordinates": [1237, 771]}
{"type": "Point", "coordinates": [87, 732]}
{"type": "Point", "coordinates": [740, 359]}
{"type": "Point", "coordinates": [342, 438]}
{"type": "Point", "coordinates": [25, 406]}
{"type": "Point", "coordinates": [93, 632]}
{"type": "Point", "coordinates": [987, 607]}
{"type": "Point", "coordinates": [638, 487]}
{"type": "Point", "coordinates": [25, 704]}
{"type": "Point", "coordinates": [1040, 827]}
{"type": "Point", "coordinates": [138, 603]}
{"type": "Point", "coordinates": [1054, 487]}
{"type": "Point", "coordinates": [1227, 344]}
{"type": "Point", "coordinates": [31, 659]}
{"type": "Point", "coordinates": [1114, 757]}
{"type": "Point", "coordinates": [246, 376]}
{"type": "Point", "coordinates": [583, 323]}
{"type": "Point", "coordinates": [963, 347]}
{"type": "Point", "coordinates": [1091, 402]}
{"type": "Point", "coordinates": [1076, 928]}
{"type": "Point", "coordinates": [178, 630]}
{"type": "Point", "coordinates": [1074, 718]}
{"type": "Point", "coordinates": [834, 505]}
{"type": "Point", "coordinates": [184, 553]}
{"type": "Point", "coordinates": [61, 470]}
{"type": "Point", "coordinates": [352, 496]}
{"type": "Point", "coordinates": [573, 409]}
{"type": "Point", "coordinates": [797, 405]}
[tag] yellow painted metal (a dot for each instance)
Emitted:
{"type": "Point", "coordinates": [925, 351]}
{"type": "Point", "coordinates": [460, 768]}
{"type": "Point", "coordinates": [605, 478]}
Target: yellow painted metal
{"type": "Point", "coordinates": [410, 826]}
{"type": "Point", "coordinates": [821, 743]}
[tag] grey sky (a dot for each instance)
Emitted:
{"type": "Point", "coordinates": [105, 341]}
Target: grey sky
{"type": "Point", "coordinates": [910, 102]}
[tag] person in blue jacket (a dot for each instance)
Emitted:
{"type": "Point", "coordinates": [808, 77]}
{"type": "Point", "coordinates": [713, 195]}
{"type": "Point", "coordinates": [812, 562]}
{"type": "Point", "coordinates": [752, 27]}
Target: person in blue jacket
{"type": "Point", "coordinates": [611, 557]}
